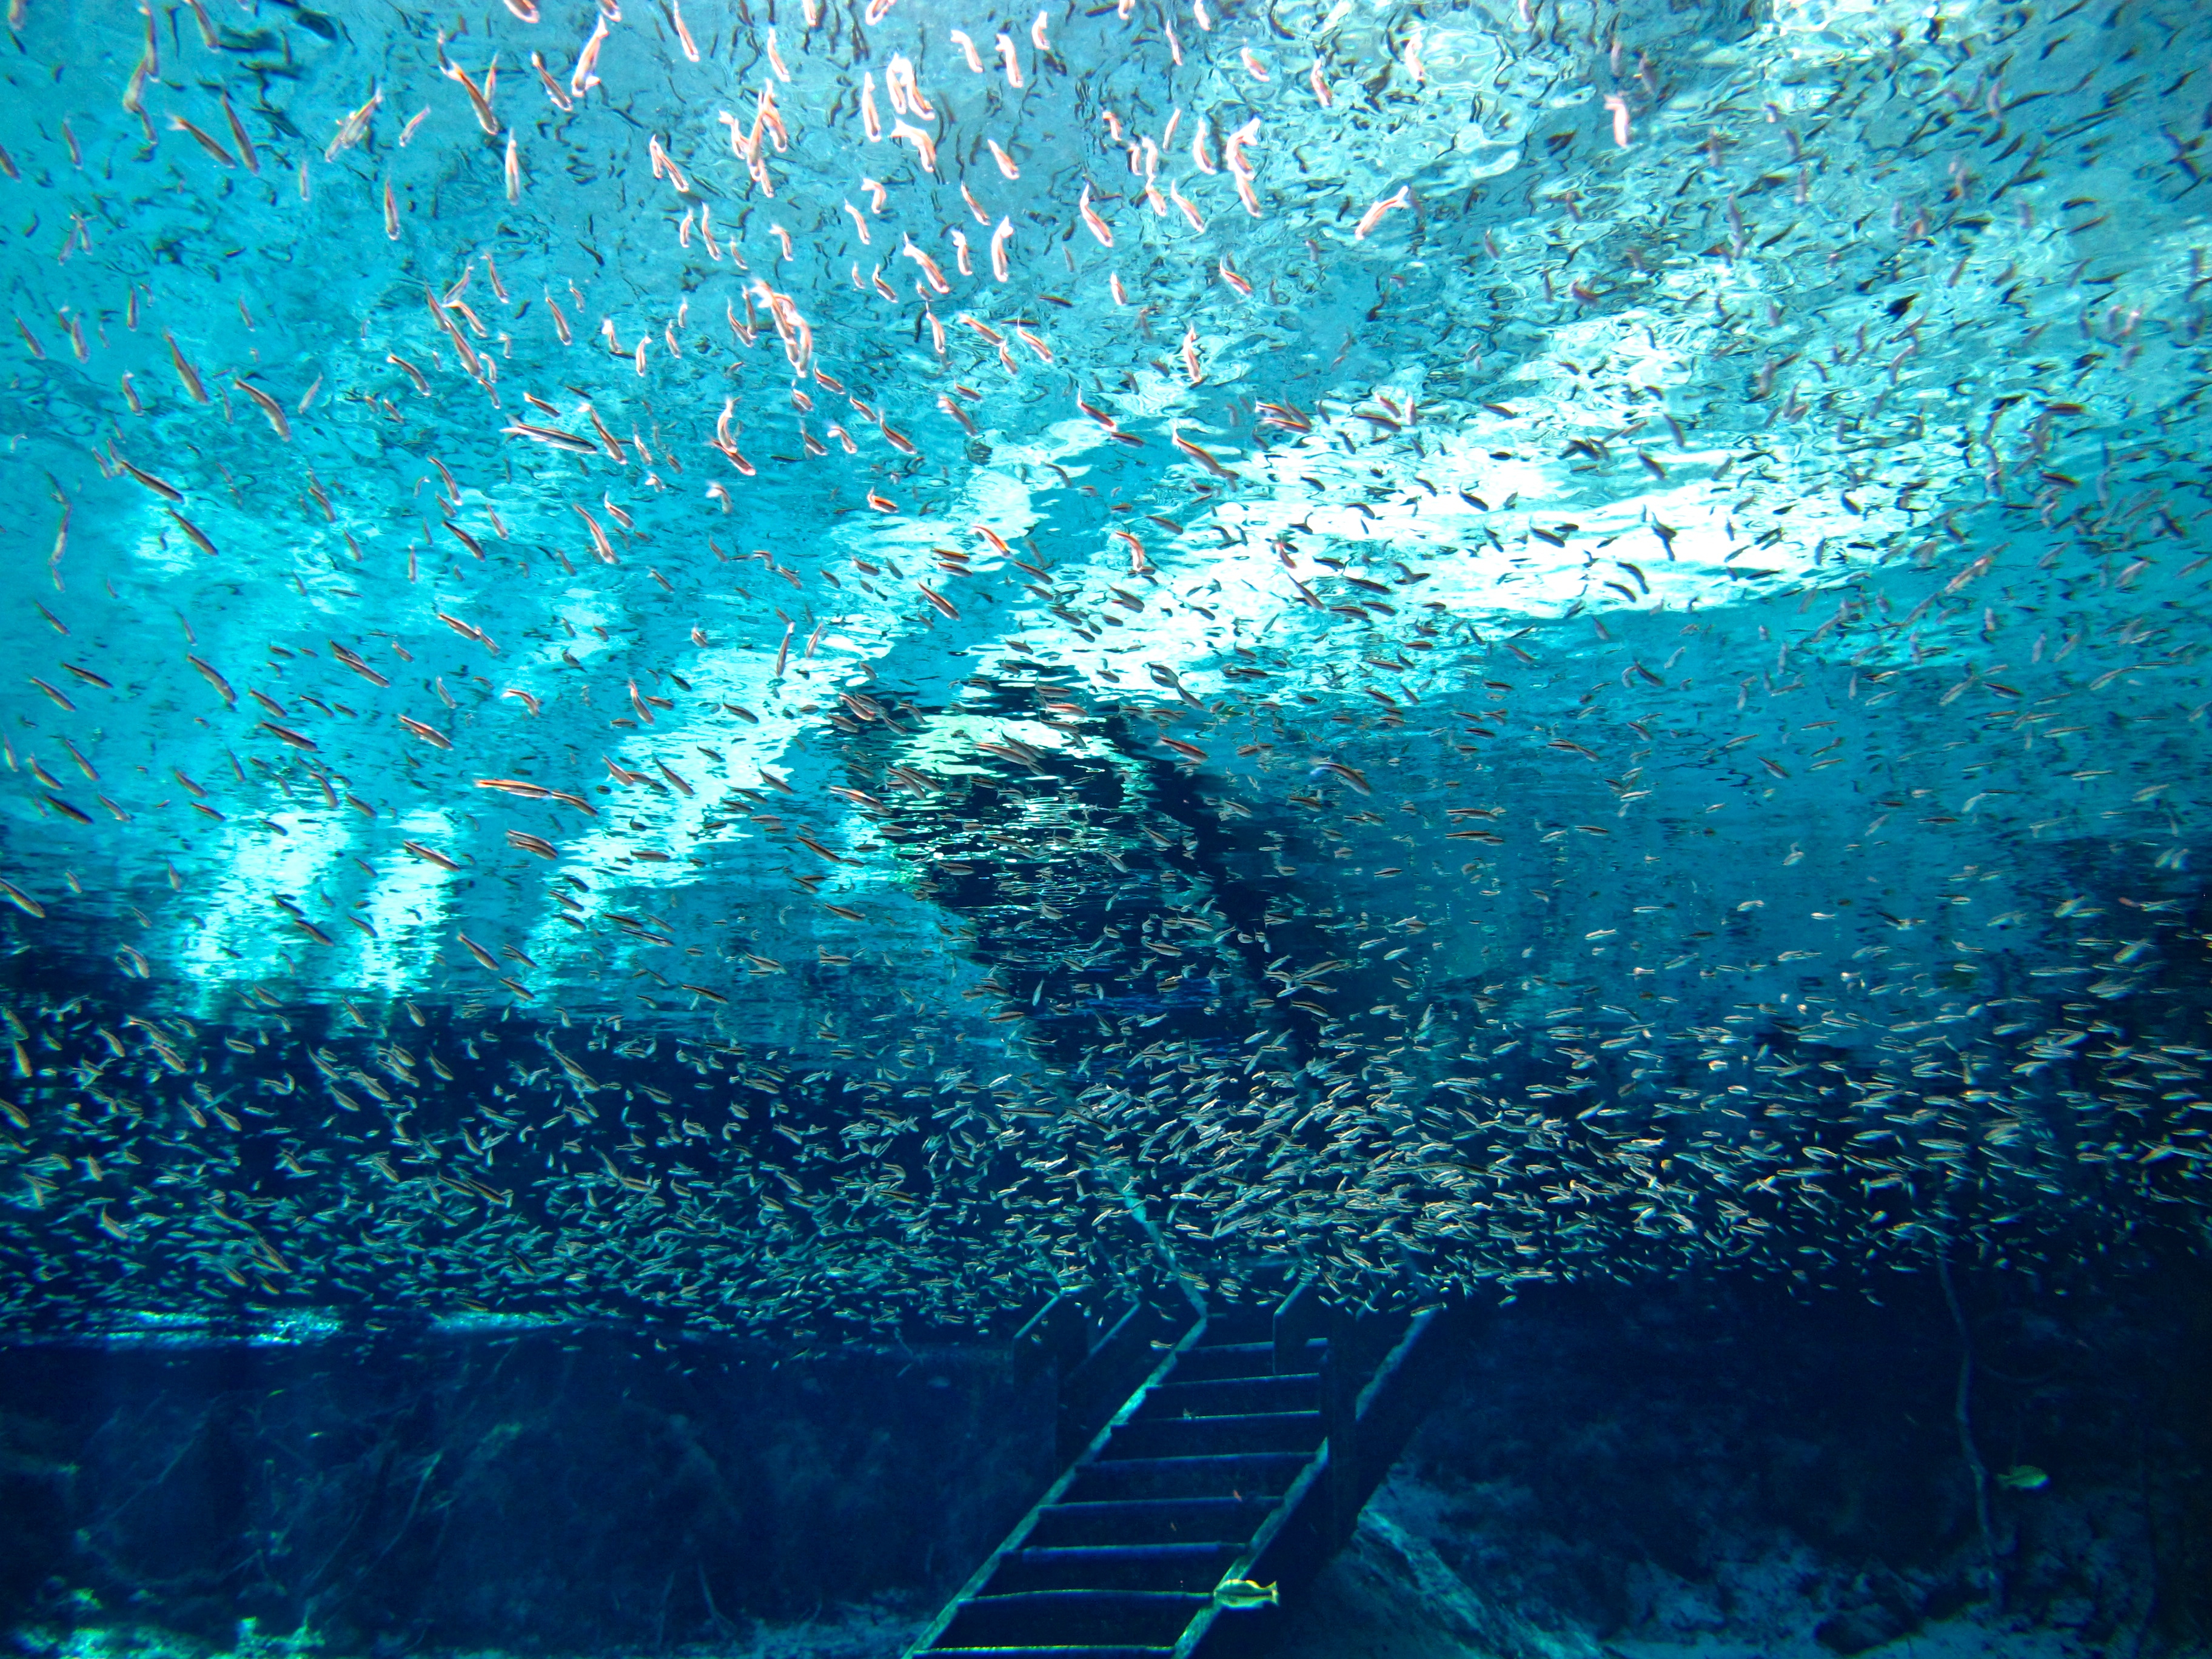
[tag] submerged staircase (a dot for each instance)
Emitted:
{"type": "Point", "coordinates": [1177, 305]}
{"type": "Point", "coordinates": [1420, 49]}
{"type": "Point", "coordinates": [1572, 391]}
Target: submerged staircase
{"type": "Point", "coordinates": [1203, 1447]}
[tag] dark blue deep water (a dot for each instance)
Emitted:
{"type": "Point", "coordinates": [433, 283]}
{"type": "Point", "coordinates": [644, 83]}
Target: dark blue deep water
{"type": "Point", "coordinates": [700, 701]}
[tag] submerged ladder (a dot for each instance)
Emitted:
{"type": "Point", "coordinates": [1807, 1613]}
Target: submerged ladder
{"type": "Point", "coordinates": [1242, 1454]}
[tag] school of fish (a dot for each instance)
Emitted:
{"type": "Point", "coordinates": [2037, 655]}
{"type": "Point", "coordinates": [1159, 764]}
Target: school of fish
{"type": "Point", "coordinates": [812, 667]}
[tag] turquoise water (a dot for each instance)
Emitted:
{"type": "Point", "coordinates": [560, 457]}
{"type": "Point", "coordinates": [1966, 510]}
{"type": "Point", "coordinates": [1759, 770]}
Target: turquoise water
{"type": "Point", "coordinates": [1657, 716]}
{"type": "Point", "coordinates": [717, 668]}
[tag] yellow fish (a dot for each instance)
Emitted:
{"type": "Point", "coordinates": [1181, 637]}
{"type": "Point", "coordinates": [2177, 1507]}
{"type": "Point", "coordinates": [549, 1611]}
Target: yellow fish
{"type": "Point", "coordinates": [1244, 1593]}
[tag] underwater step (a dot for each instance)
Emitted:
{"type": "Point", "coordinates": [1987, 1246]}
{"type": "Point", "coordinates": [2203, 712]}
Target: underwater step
{"type": "Point", "coordinates": [1148, 1435]}
{"type": "Point", "coordinates": [1185, 1567]}
{"type": "Point", "coordinates": [1032, 1652]}
{"type": "Point", "coordinates": [1230, 1360]}
{"type": "Point", "coordinates": [1111, 1616]}
{"type": "Point", "coordinates": [1237, 1331]}
{"type": "Point", "coordinates": [1231, 1396]}
{"type": "Point", "coordinates": [1187, 1520]}
{"type": "Point", "coordinates": [1230, 1474]}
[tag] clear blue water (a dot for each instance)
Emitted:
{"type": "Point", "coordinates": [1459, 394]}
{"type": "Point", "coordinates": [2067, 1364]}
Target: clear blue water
{"type": "Point", "coordinates": [1697, 636]}
{"type": "Point", "coordinates": [1509, 645]}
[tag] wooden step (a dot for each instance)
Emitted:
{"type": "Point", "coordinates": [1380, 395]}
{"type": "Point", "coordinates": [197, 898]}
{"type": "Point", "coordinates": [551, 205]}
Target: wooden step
{"type": "Point", "coordinates": [1188, 1437]}
{"type": "Point", "coordinates": [1253, 1474]}
{"type": "Point", "coordinates": [1231, 1395]}
{"type": "Point", "coordinates": [1114, 1566]}
{"type": "Point", "coordinates": [1053, 1618]}
{"type": "Point", "coordinates": [1166, 1520]}
{"type": "Point", "coordinates": [1235, 1359]}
